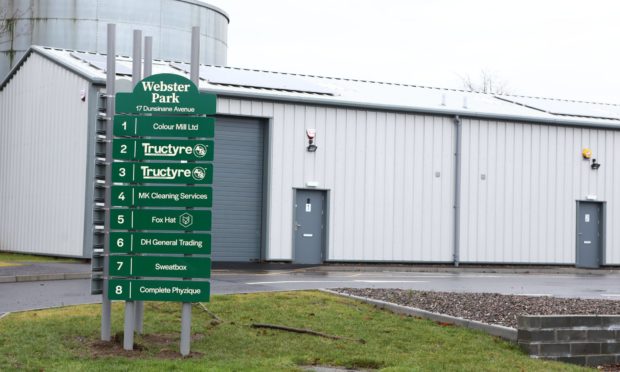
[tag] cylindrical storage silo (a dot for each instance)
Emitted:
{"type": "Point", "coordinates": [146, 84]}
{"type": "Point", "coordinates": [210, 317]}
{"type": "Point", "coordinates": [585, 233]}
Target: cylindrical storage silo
{"type": "Point", "coordinates": [81, 25]}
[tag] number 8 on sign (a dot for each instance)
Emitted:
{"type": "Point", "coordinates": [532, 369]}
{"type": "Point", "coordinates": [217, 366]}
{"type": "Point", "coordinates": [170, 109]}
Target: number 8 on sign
{"type": "Point", "coordinates": [119, 289]}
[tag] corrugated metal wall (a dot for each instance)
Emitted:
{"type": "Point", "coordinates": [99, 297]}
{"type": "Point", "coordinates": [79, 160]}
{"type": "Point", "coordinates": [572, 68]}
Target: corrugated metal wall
{"type": "Point", "coordinates": [524, 210]}
{"type": "Point", "coordinates": [43, 132]}
{"type": "Point", "coordinates": [390, 177]}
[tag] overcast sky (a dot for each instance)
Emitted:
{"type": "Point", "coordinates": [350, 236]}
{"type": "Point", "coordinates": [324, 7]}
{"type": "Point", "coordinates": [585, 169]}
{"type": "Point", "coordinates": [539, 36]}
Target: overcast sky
{"type": "Point", "coordinates": [551, 48]}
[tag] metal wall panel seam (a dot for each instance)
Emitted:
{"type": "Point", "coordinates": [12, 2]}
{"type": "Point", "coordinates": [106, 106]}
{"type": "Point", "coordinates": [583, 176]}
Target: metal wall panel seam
{"type": "Point", "coordinates": [399, 184]}
{"type": "Point", "coordinates": [365, 159]}
{"type": "Point", "coordinates": [390, 187]}
{"type": "Point", "coordinates": [408, 209]}
{"type": "Point", "coordinates": [339, 161]}
{"type": "Point", "coordinates": [419, 249]}
{"type": "Point", "coordinates": [381, 189]}
{"type": "Point", "coordinates": [329, 176]}
{"type": "Point", "coordinates": [399, 172]}
{"type": "Point", "coordinates": [359, 181]}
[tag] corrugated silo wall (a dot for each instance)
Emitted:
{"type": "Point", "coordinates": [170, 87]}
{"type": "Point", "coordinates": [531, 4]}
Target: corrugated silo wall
{"type": "Point", "coordinates": [390, 177]}
{"type": "Point", "coordinates": [524, 210]}
{"type": "Point", "coordinates": [81, 25]}
{"type": "Point", "coordinates": [43, 146]}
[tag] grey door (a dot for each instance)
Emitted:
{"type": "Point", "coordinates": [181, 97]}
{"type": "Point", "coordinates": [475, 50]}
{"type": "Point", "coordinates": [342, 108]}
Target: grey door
{"type": "Point", "coordinates": [589, 234]}
{"type": "Point", "coordinates": [237, 190]}
{"type": "Point", "coordinates": [309, 226]}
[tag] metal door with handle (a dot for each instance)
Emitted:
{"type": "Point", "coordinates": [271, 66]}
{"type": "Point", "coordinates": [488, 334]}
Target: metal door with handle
{"type": "Point", "coordinates": [589, 235]}
{"type": "Point", "coordinates": [309, 226]}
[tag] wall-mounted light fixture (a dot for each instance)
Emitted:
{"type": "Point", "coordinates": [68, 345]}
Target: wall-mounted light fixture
{"type": "Point", "coordinates": [587, 154]}
{"type": "Point", "coordinates": [311, 133]}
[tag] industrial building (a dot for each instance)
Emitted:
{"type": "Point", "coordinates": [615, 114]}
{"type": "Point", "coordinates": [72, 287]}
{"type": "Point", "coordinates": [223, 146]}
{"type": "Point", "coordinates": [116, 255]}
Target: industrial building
{"type": "Point", "coordinates": [394, 172]}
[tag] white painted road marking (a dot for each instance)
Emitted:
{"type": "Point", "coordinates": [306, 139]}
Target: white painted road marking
{"type": "Point", "coordinates": [296, 281]}
{"type": "Point", "coordinates": [335, 281]}
{"type": "Point", "coordinates": [390, 281]}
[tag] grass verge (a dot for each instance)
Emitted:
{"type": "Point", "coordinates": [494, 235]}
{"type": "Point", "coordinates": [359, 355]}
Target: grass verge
{"type": "Point", "coordinates": [16, 259]}
{"type": "Point", "coordinates": [68, 339]}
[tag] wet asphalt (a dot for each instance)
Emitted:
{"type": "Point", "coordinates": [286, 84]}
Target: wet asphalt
{"type": "Point", "coordinates": [235, 278]}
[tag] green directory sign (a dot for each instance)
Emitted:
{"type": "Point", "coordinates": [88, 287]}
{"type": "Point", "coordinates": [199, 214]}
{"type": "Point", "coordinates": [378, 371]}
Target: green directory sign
{"type": "Point", "coordinates": [164, 126]}
{"type": "Point", "coordinates": [160, 219]}
{"type": "Point", "coordinates": [161, 196]}
{"type": "Point", "coordinates": [184, 173]}
{"type": "Point", "coordinates": [162, 170]}
{"type": "Point", "coordinates": [169, 267]}
{"type": "Point", "coordinates": [158, 290]}
{"type": "Point", "coordinates": [165, 243]}
{"type": "Point", "coordinates": [162, 149]}
{"type": "Point", "coordinates": [166, 94]}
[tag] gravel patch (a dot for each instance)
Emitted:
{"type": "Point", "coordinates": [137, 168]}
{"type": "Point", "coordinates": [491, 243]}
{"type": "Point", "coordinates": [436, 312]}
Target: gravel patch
{"type": "Point", "coordinates": [491, 308]}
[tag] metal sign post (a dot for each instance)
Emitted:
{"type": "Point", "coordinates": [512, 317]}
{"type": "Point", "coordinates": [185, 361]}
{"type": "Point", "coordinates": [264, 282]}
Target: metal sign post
{"type": "Point", "coordinates": [186, 310]}
{"type": "Point", "coordinates": [106, 305]}
{"type": "Point", "coordinates": [162, 197]}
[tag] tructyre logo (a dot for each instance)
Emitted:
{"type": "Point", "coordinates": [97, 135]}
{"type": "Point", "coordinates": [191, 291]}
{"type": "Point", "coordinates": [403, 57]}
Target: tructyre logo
{"type": "Point", "coordinates": [168, 150]}
{"type": "Point", "coordinates": [199, 173]}
{"type": "Point", "coordinates": [200, 150]}
{"type": "Point", "coordinates": [186, 220]}
{"type": "Point", "coordinates": [169, 173]}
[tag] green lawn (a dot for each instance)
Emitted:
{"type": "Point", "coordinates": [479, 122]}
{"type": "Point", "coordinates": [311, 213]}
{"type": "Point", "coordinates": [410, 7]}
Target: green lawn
{"type": "Point", "coordinates": [14, 259]}
{"type": "Point", "coordinates": [67, 339]}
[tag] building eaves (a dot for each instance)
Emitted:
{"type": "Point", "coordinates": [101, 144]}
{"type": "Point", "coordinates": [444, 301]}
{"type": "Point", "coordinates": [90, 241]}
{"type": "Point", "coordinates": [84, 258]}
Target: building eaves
{"type": "Point", "coordinates": [355, 93]}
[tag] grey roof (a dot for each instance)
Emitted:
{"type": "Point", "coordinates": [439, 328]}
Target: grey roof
{"type": "Point", "coordinates": [268, 85]}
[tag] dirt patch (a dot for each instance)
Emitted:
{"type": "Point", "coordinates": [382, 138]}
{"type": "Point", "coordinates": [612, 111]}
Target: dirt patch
{"type": "Point", "coordinates": [159, 346]}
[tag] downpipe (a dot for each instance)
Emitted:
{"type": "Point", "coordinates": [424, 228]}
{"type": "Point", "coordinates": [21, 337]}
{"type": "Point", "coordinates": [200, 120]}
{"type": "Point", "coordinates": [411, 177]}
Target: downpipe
{"type": "Point", "coordinates": [457, 191]}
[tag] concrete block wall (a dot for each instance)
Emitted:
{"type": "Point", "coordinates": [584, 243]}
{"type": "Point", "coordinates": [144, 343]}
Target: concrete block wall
{"type": "Point", "coordinates": [579, 339]}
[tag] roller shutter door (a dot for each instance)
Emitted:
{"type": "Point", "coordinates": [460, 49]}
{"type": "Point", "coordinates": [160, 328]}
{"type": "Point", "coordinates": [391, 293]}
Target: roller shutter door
{"type": "Point", "coordinates": [237, 190]}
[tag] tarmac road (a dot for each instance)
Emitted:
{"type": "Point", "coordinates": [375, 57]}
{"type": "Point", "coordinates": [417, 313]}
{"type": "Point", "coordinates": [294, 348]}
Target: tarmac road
{"type": "Point", "coordinates": [44, 294]}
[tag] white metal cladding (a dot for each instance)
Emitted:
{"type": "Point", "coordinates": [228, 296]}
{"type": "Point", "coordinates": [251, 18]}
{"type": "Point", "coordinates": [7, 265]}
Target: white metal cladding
{"type": "Point", "coordinates": [390, 178]}
{"type": "Point", "coordinates": [43, 130]}
{"type": "Point", "coordinates": [524, 211]}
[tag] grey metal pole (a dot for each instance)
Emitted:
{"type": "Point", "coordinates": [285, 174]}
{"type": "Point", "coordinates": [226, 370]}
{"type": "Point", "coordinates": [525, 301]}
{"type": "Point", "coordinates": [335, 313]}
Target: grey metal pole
{"type": "Point", "coordinates": [106, 304]}
{"type": "Point", "coordinates": [136, 71]}
{"type": "Point", "coordinates": [148, 56]}
{"type": "Point", "coordinates": [148, 71]}
{"type": "Point", "coordinates": [136, 76]}
{"type": "Point", "coordinates": [195, 56]}
{"type": "Point", "coordinates": [186, 309]}
{"type": "Point", "coordinates": [129, 325]}
{"type": "Point", "coordinates": [186, 327]}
